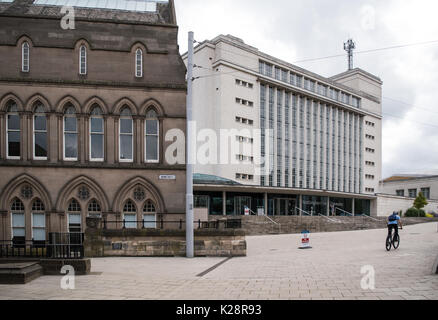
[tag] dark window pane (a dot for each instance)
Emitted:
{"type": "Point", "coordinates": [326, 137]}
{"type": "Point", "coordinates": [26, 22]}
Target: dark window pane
{"type": "Point", "coordinates": [125, 125]}
{"type": "Point", "coordinates": [40, 123]}
{"type": "Point", "coordinates": [13, 144]}
{"type": "Point", "coordinates": [126, 147]}
{"type": "Point", "coordinates": [151, 127]}
{"type": "Point", "coordinates": [70, 124]}
{"type": "Point", "coordinates": [151, 148]}
{"type": "Point", "coordinates": [97, 146]}
{"type": "Point", "coordinates": [41, 144]}
{"type": "Point", "coordinates": [13, 122]}
{"type": "Point", "coordinates": [96, 125]}
{"type": "Point", "coordinates": [71, 145]}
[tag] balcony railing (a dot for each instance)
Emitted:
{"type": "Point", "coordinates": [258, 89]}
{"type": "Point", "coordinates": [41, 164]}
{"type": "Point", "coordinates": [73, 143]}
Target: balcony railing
{"type": "Point", "coordinates": [170, 225]}
{"type": "Point", "coordinates": [59, 246]}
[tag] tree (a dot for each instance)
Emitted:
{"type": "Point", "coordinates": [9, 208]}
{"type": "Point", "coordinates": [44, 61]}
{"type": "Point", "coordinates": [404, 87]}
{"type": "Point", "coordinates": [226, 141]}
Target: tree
{"type": "Point", "coordinates": [421, 201]}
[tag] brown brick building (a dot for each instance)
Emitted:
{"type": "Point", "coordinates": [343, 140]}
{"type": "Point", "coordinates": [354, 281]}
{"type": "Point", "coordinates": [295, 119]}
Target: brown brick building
{"type": "Point", "coordinates": [83, 117]}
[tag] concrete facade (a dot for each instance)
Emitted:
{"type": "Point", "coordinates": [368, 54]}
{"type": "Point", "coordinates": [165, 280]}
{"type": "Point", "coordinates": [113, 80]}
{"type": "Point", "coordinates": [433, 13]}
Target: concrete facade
{"type": "Point", "coordinates": [112, 183]}
{"type": "Point", "coordinates": [326, 131]}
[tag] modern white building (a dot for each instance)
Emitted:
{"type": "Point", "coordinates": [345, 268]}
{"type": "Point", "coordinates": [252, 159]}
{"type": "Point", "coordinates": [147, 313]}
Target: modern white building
{"type": "Point", "coordinates": [323, 147]}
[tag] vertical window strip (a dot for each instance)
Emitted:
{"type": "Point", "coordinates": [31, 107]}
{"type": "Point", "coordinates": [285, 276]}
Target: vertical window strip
{"type": "Point", "coordinates": [139, 63]}
{"type": "Point", "coordinates": [83, 60]}
{"type": "Point", "coordinates": [152, 129]}
{"type": "Point", "coordinates": [25, 57]}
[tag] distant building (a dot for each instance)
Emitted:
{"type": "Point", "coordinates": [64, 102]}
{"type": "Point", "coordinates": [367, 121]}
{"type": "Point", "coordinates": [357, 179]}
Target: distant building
{"type": "Point", "coordinates": [83, 114]}
{"type": "Point", "coordinates": [411, 185]}
{"type": "Point", "coordinates": [326, 149]}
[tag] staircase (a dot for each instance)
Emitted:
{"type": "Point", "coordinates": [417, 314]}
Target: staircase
{"type": "Point", "coordinates": [263, 225]}
{"type": "Point", "coordinates": [19, 272]}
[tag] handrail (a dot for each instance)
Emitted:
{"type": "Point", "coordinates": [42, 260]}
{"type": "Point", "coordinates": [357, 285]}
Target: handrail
{"type": "Point", "coordinates": [307, 214]}
{"type": "Point", "coordinates": [349, 213]}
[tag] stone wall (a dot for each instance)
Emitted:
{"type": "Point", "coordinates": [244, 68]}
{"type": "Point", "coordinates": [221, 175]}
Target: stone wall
{"type": "Point", "coordinates": [163, 243]}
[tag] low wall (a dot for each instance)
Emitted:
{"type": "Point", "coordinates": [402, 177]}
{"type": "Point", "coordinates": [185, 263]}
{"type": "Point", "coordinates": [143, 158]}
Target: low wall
{"type": "Point", "coordinates": [163, 243]}
{"type": "Point", "coordinates": [259, 225]}
{"type": "Point", "coordinates": [387, 204]}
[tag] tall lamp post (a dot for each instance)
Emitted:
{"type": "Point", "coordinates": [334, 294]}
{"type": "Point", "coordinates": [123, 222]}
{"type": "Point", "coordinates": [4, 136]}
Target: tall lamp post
{"type": "Point", "coordinates": [189, 156]}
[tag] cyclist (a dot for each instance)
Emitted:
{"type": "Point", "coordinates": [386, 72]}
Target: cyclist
{"type": "Point", "coordinates": [393, 221]}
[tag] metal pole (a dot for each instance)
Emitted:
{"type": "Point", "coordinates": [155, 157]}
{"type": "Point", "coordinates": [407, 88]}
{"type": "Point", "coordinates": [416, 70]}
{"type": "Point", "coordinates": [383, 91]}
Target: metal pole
{"type": "Point", "coordinates": [189, 187]}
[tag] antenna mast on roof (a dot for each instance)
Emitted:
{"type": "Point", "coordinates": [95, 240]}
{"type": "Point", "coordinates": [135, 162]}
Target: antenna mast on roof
{"type": "Point", "coordinates": [349, 46]}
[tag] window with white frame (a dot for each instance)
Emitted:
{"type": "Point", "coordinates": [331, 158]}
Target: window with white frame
{"type": "Point", "coordinates": [94, 209]}
{"type": "Point", "coordinates": [139, 63]}
{"type": "Point", "coordinates": [38, 221]}
{"type": "Point", "coordinates": [18, 220]}
{"type": "Point", "coordinates": [149, 215]}
{"type": "Point", "coordinates": [74, 217]}
{"type": "Point", "coordinates": [126, 135]}
{"type": "Point", "coordinates": [13, 131]}
{"type": "Point", "coordinates": [130, 215]}
{"type": "Point", "coordinates": [70, 134]}
{"type": "Point", "coordinates": [96, 135]}
{"type": "Point", "coordinates": [40, 133]}
{"type": "Point", "coordinates": [152, 136]}
{"type": "Point", "coordinates": [25, 57]}
{"type": "Point", "coordinates": [82, 60]}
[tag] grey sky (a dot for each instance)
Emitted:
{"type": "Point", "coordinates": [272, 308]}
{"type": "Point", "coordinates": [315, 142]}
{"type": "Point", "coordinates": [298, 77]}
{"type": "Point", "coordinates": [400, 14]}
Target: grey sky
{"type": "Point", "coordinates": [296, 30]}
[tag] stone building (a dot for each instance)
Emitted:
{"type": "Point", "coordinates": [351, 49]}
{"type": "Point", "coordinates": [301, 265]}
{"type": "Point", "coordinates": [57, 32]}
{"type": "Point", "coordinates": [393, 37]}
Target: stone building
{"type": "Point", "coordinates": [83, 117]}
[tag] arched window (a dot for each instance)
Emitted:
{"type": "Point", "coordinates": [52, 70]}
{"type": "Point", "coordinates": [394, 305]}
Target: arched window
{"type": "Point", "coordinates": [94, 209]}
{"type": "Point", "coordinates": [25, 57]}
{"type": "Point", "coordinates": [18, 222]}
{"type": "Point", "coordinates": [152, 128]}
{"type": "Point", "coordinates": [96, 135]}
{"type": "Point", "coordinates": [70, 134]}
{"type": "Point", "coordinates": [149, 215]}
{"type": "Point", "coordinates": [39, 133]}
{"type": "Point", "coordinates": [139, 63]}
{"type": "Point", "coordinates": [13, 132]}
{"type": "Point", "coordinates": [83, 60]}
{"type": "Point", "coordinates": [38, 221]}
{"type": "Point", "coordinates": [130, 215]}
{"type": "Point", "coordinates": [74, 216]}
{"type": "Point", "coordinates": [126, 134]}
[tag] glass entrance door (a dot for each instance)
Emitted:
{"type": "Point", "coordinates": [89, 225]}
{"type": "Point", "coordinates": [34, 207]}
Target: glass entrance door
{"type": "Point", "coordinates": [240, 203]}
{"type": "Point", "coordinates": [285, 207]}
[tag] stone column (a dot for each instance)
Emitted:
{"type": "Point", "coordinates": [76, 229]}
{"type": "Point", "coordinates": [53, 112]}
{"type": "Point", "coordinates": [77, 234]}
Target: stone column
{"type": "Point", "coordinates": [224, 203]}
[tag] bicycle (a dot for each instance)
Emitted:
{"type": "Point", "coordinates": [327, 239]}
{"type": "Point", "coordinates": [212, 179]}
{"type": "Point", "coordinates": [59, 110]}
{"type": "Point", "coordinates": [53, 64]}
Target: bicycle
{"type": "Point", "coordinates": [393, 240]}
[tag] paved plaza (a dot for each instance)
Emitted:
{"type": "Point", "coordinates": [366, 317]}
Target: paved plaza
{"type": "Point", "coordinates": [274, 269]}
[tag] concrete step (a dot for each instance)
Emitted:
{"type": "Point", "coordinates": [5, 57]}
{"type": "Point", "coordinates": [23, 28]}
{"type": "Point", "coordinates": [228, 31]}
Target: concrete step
{"type": "Point", "coordinates": [19, 272]}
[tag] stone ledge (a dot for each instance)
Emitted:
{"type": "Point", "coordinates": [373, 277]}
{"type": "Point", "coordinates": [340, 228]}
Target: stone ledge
{"type": "Point", "coordinates": [54, 266]}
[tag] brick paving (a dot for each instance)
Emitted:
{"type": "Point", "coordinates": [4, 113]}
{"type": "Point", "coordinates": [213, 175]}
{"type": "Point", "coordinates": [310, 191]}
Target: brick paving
{"type": "Point", "coordinates": [274, 269]}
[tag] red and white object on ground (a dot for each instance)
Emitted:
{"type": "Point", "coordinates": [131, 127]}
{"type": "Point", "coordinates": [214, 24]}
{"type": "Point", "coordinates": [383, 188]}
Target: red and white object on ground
{"type": "Point", "coordinates": [305, 240]}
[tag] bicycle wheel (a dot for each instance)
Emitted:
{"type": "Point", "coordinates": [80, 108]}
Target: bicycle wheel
{"type": "Point", "coordinates": [388, 243]}
{"type": "Point", "coordinates": [396, 241]}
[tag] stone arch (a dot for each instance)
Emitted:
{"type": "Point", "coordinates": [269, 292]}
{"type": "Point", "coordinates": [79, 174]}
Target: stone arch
{"type": "Point", "coordinates": [10, 96]}
{"type": "Point", "coordinates": [95, 100]}
{"type": "Point", "coordinates": [71, 190]}
{"type": "Point", "coordinates": [22, 38]}
{"type": "Point", "coordinates": [125, 102]}
{"type": "Point", "coordinates": [139, 45]}
{"type": "Point", "coordinates": [13, 190]}
{"type": "Point", "coordinates": [35, 98]}
{"type": "Point", "coordinates": [60, 106]}
{"type": "Point", "coordinates": [151, 192]}
{"type": "Point", "coordinates": [152, 103]}
{"type": "Point", "coordinates": [82, 41]}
